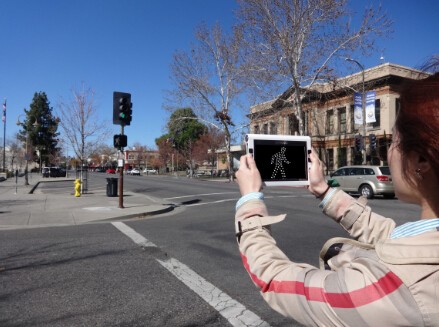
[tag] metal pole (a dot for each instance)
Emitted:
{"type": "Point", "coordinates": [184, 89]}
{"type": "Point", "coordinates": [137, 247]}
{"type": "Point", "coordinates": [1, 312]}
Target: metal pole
{"type": "Point", "coordinates": [363, 108]}
{"type": "Point", "coordinates": [4, 136]}
{"type": "Point", "coordinates": [26, 179]}
{"type": "Point", "coordinates": [26, 155]}
{"type": "Point", "coordinates": [121, 175]}
{"type": "Point", "coordinates": [363, 104]}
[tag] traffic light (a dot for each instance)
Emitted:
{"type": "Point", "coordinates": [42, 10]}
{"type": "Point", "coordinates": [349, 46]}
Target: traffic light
{"type": "Point", "coordinates": [358, 143]}
{"type": "Point", "coordinates": [372, 141]}
{"type": "Point", "coordinates": [120, 141]}
{"type": "Point", "coordinates": [122, 108]}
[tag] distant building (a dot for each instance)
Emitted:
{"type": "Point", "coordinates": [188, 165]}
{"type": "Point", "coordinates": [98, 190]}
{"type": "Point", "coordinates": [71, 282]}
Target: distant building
{"type": "Point", "coordinates": [140, 159]}
{"type": "Point", "coordinates": [236, 152]}
{"type": "Point", "coordinates": [329, 114]}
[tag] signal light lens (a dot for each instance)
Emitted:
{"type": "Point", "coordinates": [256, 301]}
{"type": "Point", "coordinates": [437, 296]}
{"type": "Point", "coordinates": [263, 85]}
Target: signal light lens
{"type": "Point", "coordinates": [382, 178]}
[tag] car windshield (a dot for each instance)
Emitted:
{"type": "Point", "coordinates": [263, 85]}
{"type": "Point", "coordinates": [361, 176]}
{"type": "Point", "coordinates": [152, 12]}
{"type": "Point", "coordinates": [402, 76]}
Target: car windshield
{"type": "Point", "coordinates": [385, 170]}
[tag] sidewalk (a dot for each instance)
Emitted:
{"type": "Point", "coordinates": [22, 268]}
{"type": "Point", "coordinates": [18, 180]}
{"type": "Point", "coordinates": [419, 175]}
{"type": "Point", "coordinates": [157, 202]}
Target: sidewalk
{"type": "Point", "coordinates": [19, 208]}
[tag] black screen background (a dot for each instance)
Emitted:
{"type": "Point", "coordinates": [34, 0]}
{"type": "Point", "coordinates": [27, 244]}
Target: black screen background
{"type": "Point", "coordinates": [295, 153]}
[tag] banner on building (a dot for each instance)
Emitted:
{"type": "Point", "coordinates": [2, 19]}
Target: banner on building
{"type": "Point", "coordinates": [358, 109]}
{"type": "Point", "coordinates": [370, 107]}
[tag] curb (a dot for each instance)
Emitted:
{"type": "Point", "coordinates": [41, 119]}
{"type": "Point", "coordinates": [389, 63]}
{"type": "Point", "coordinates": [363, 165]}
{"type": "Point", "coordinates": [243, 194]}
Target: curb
{"type": "Point", "coordinates": [50, 181]}
{"type": "Point", "coordinates": [136, 215]}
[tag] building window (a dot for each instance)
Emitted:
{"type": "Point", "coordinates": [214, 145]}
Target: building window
{"type": "Point", "coordinates": [353, 153]}
{"type": "Point", "coordinates": [342, 120]}
{"type": "Point", "coordinates": [352, 119]}
{"type": "Point", "coordinates": [377, 122]}
{"type": "Point", "coordinates": [331, 159]}
{"type": "Point", "coordinates": [305, 121]}
{"type": "Point", "coordinates": [293, 124]}
{"type": "Point", "coordinates": [342, 157]}
{"type": "Point", "coordinates": [265, 129]}
{"type": "Point", "coordinates": [256, 129]}
{"type": "Point", "coordinates": [330, 122]}
{"type": "Point", "coordinates": [131, 156]}
{"type": "Point", "coordinates": [273, 128]}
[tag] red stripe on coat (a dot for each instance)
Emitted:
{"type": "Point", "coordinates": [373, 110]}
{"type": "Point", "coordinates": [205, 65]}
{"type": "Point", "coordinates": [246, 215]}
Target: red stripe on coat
{"type": "Point", "coordinates": [368, 294]}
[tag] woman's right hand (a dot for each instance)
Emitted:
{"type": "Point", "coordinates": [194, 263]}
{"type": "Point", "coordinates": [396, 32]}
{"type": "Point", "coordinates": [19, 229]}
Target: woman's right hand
{"type": "Point", "coordinates": [317, 180]}
{"type": "Point", "coordinates": [248, 176]}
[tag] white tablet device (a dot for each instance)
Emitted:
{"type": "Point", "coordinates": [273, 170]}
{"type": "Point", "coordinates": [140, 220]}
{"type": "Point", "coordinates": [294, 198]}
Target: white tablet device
{"type": "Point", "coordinates": [282, 160]}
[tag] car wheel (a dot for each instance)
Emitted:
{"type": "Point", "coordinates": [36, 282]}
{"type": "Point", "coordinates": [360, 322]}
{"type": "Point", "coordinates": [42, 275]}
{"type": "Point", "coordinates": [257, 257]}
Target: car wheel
{"type": "Point", "coordinates": [366, 191]}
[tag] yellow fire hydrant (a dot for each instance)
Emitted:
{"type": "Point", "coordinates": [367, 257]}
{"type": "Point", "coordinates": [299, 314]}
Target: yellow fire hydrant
{"type": "Point", "coordinates": [77, 183]}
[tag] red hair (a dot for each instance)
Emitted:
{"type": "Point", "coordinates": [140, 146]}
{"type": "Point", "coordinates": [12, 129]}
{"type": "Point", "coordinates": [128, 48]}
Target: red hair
{"type": "Point", "coordinates": [417, 122]}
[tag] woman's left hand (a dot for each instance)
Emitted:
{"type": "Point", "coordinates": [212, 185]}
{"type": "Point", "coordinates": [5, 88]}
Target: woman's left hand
{"type": "Point", "coordinates": [248, 176]}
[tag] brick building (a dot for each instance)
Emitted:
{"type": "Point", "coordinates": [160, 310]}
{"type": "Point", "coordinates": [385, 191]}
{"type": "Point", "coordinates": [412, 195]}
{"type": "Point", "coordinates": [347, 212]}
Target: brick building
{"type": "Point", "coordinates": [328, 114]}
{"type": "Point", "coordinates": [140, 159]}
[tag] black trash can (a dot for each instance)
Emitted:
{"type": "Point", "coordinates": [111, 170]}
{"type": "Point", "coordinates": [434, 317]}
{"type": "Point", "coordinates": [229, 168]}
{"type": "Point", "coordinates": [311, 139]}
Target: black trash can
{"type": "Point", "coordinates": [111, 186]}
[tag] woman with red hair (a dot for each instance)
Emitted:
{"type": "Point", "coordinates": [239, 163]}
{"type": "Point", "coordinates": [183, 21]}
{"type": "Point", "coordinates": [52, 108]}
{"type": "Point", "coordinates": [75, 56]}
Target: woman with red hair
{"type": "Point", "coordinates": [383, 275]}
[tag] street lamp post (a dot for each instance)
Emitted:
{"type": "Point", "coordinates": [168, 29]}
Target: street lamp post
{"type": "Point", "coordinates": [26, 155]}
{"type": "Point", "coordinates": [363, 108]}
{"type": "Point", "coordinates": [39, 148]}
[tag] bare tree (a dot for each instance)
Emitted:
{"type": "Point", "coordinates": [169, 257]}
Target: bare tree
{"type": "Point", "coordinates": [140, 155]}
{"type": "Point", "coordinates": [205, 148]}
{"type": "Point", "coordinates": [80, 122]}
{"type": "Point", "coordinates": [209, 77]}
{"type": "Point", "coordinates": [101, 154]}
{"type": "Point", "coordinates": [292, 44]}
{"type": "Point", "coordinates": [432, 64]}
{"type": "Point", "coordinates": [15, 153]}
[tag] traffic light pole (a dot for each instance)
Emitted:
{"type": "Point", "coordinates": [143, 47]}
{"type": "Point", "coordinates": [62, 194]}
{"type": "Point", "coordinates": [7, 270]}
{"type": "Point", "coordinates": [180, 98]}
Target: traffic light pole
{"type": "Point", "coordinates": [122, 110]}
{"type": "Point", "coordinates": [121, 175]}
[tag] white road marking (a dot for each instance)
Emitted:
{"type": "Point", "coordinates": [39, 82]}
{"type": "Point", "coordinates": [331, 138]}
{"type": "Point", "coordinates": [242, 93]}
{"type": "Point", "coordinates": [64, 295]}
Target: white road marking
{"type": "Point", "coordinates": [235, 199]}
{"type": "Point", "coordinates": [195, 195]}
{"type": "Point", "coordinates": [235, 313]}
{"type": "Point", "coordinates": [204, 203]}
{"type": "Point", "coordinates": [132, 234]}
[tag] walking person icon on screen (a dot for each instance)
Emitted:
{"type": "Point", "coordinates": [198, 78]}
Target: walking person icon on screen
{"type": "Point", "coordinates": [279, 158]}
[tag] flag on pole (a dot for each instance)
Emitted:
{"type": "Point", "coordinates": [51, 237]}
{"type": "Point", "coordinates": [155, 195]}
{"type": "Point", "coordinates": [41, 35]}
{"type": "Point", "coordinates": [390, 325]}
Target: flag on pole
{"type": "Point", "coordinates": [4, 112]}
{"type": "Point", "coordinates": [370, 107]}
{"type": "Point", "coordinates": [358, 108]}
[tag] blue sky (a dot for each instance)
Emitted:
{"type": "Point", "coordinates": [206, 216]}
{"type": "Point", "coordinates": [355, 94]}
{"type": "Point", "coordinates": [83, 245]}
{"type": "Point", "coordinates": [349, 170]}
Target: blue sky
{"type": "Point", "coordinates": [54, 46]}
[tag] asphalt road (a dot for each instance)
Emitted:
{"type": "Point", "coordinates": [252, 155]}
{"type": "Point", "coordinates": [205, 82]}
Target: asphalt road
{"type": "Point", "coordinates": [179, 273]}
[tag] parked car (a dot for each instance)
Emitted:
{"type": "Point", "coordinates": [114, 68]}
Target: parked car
{"type": "Point", "coordinates": [110, 171]}
{"type": "Point", "coordinates": [135, 171]}
{"type": "Point", "coordinates": [365, 180]}
{"type": "Point", "coordinates": [53, 172]}
{"type": "Point", "coordinates": [150, 171]}
{"type": "Point", "coordinates": [46, 172]}
{"type": "Point", "coordinates": [201, 173]}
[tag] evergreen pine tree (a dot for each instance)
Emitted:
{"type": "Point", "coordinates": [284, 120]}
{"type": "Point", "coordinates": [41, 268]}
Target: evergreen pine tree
{"type": "Point", "coordinates": [41, 128]}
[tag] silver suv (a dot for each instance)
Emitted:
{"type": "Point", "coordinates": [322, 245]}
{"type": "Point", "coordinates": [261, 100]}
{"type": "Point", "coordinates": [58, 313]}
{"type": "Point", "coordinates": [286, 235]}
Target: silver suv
{"type": "Point", "coordinates": [365, 180]}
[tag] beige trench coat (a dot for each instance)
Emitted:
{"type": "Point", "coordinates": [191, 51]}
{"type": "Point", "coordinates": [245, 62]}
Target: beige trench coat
{"type": "Point", "coordinates": [369, 280]}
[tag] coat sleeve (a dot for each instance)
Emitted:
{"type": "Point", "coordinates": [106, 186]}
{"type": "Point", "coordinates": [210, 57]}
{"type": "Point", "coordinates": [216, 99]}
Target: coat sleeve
{"type": "Point", "coordinates": [312, 296]}
{"type": "Point", "coordinates": [357, 218]}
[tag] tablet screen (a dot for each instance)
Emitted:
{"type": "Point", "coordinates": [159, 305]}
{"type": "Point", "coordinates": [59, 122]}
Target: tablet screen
{"type": "Point", "coordinates": [281, 160]}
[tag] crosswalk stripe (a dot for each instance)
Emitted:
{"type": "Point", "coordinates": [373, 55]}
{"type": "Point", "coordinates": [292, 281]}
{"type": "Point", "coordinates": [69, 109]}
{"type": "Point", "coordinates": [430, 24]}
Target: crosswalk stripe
{"type": "Point", "coordinates": [235, 312]}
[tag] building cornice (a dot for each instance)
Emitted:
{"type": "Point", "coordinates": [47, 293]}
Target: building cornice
{"type": "Point", "coordinates": [372, 76]}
